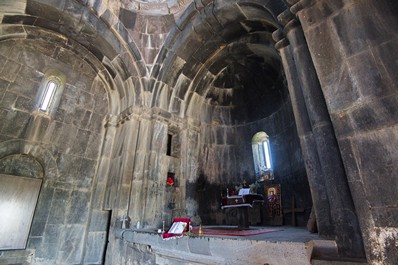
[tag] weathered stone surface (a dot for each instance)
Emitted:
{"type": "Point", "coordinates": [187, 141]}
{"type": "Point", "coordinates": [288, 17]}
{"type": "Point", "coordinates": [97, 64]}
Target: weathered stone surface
{"type": "Point", "coordinates": [79, 147]}
{"type": "Point", "coordinates": [95, 248]}
{"type": "Point", "coordinates": [13, 7]}
{"type": "Point", "coordinates": [185, 19]}
{"type": "Point", "coordinates": [128, 18]}
{"type": "Point", "coordinates": [23, 88]}
{"type": "Point", "coordinates": [234, 31]}
{"type": "Point", "coordinates": [24, 104]}
{"type": "Point", "coordinates": [14, 123]}
{"type": "Point", "coordinates": [329, 59]}
{"type": "Point", "coordinates": [9, 99]}
{"type": "Point", "coordinates": [71, 248]}
{"type": "Point", "coordinates": [21, 165]}
{"type": "Point", "coordinates": [59, 204]}
{"type": "Point", "coordinates": [209, 18]}
{"type": "Point", "coordinates": [99, 221]}
{"type": "Point", "coordinates": [6, 74]}
{"type": "Point", "coordinates": [52, 233]}
{"type": "Point", "coordinates": [188, 43]}
{"type": "Point", "coordinates": [372, 84]}
{"type": "Point", "coordinates": [68, 167]}
{"type": "Point", "coordinates": [78, 213]}
{"type": "Point", "coordinates": [339, 94]}
{"type": "Point", "coordinates": [22, 257]}
{"type": "Point", "coordinates": [377, 161]}
{"type": "Point", "coordinates": [207, 49]}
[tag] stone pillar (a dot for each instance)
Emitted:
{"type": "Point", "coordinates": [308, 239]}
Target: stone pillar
{"type": "Point", "coordinates": [105, 166]}
{"type": "Point", "coordinates": [103, 196]}
{"type": "Point", "coordinates": [125, 155]}
{"type": "Point", "coordinates": [352, 44]}
{"type": "Point", "coordinates": [138, 192]}
{"type": "Point", "coordinates": [121, 167]}
{"type": "Point", "coordinates": [127, 146]}
{"type": "Point", "coordinates": [157, 174]}
{"type": "Point", "coordinates": [99, 216]}
{"type": "Point", "coordinates": [191, 171]}
{"type": "Point", "coordinates": [342, 210]}
{"type": "Point", "coordinates": [184, 158]}
{"type": "Point", "coordinates": [315, 176]}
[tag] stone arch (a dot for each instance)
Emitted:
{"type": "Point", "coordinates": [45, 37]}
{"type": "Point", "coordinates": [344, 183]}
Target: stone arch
{"type": "Point", "coordinates": [195, 56]}
{"type": "Point", "coordinates": [98, 40]}
{"type": "Point", "coordinates": [210, 45]}
{"type": "Point", "coordinates": [40, 158]}
{"type": "Point", "coordinates": [21, 165]}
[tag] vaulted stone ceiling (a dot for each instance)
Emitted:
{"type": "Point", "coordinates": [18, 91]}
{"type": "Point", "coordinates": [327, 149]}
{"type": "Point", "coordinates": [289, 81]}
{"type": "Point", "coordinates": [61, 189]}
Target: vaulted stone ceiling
{"type": "Point", "coordinates": [194, 57]}
{"type": "Point", "coordinates": [222, 60]}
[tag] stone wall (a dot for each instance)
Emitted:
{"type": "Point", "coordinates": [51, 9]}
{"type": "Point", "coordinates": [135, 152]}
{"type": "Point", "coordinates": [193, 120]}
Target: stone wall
{"type": "Point", "coordinates": [66, 143]}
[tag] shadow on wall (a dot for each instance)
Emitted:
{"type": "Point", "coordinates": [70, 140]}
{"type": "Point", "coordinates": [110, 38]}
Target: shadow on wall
{"type": "Point", "coordinates": [208, 198]}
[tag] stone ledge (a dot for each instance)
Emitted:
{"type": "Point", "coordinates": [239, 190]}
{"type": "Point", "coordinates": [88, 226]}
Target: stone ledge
{"type": "Point", "coordinates": [216, 250]}
{"type": "Point", "coordinates": [338, 262]}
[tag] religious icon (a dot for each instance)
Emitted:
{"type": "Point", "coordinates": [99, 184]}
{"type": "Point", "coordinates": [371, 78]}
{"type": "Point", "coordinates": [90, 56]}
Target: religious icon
{"type": "Point", "coordinates": [273, 204]}
{"type": "Point", "coordinates": [271, 196]}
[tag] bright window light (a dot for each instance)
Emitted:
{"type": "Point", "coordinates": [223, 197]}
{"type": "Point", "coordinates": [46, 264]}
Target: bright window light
{"type": "Point", "coordinates": [267, 155]}
{"type": "Point", "coordinates": [262, 159]}
{"type": "Point", "coordinates": [48, 96]}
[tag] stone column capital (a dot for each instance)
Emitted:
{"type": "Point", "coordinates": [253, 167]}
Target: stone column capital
{"type": "Point", "coordinates": [288, 20]}
{"type": "Point", "coordinates": [298, 5]}
{"type": "Point", "coordinates": [280, 39]}
{"type": "Point", "coordinates": [285, 17]}
{"type": "Point", "coordinates": [111, 121]}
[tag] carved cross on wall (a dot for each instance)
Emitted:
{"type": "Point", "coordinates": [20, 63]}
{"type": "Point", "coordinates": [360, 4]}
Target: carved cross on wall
{"type": "Point", "coordinates": [294, 210]}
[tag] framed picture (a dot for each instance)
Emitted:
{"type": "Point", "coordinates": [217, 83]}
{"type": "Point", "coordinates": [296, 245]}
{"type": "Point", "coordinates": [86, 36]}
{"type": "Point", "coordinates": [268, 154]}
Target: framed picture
{"type": "Point", "coordinates": [273, 202]}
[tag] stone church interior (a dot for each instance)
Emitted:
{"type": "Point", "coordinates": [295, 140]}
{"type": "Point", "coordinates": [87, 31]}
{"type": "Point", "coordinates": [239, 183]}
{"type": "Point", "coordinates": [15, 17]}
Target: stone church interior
{"type": "Point", "coordinates": [121, 117]}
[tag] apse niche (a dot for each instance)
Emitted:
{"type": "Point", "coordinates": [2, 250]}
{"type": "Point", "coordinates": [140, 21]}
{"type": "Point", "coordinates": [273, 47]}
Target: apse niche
{"type": "Point", "coordinates": [248, 95]}
{"type": "Point", "coordinates": [239, 89]}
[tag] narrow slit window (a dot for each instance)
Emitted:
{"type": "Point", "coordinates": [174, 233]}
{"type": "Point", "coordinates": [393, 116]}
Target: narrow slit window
{"type": "Point", "coordinates": [169, 142]}
{"type": "Point", "coordinates": [50, 92]}
{"type": "Point", "coordinates": [48, 96]}
{"type": "Point", "coordinates": [267, 155]}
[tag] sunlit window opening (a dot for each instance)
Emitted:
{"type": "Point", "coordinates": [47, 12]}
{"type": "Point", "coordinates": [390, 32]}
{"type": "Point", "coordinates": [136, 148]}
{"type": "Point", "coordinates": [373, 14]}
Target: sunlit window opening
{"type": "Point", "coordinates": [50, 92]}
{"type": "Point", "coordinates": [262, 154]}
{"type": "Point", "coordinates": [48, 96]}
{"type": "Point", "coordinates": [267, 155]}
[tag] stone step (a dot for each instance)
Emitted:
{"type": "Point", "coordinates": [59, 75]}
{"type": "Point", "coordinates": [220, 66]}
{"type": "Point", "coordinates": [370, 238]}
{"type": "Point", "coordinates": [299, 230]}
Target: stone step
{"type": "Point", "coordinates": [323, 248]}
{"type": "Point", "coordinates": [325, 252]}
{"type": "Point", "coordinates": [338, 262]}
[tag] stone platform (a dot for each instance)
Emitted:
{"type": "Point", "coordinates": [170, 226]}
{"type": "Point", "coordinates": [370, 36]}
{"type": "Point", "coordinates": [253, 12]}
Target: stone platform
{"type": "Point", "coordinates": [286, 247]}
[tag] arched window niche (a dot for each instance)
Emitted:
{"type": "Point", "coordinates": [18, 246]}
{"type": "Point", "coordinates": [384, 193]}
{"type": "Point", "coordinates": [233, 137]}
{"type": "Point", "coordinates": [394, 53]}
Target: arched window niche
{"type": "Point", "coordinates": [262, 156]}
{"type": "Point", "coordinates": [50, 91]}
